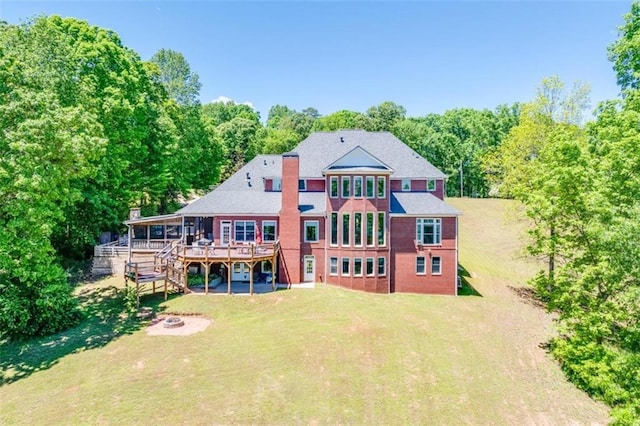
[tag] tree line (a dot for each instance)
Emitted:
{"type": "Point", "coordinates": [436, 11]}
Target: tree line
{"type": "Point", "coordinates": [580, 189]}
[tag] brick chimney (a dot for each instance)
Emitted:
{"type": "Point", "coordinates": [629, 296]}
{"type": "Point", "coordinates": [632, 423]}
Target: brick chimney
{"type": "Point", "coordinates": [290, 262]}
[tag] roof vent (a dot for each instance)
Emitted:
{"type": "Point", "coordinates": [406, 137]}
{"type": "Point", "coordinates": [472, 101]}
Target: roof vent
{"type": "Point", "coordinates": [248, 177]}
{"type": "Point", "coordinates": [341, 139]}
{"type": "Point", "coordinates": [265, 162]}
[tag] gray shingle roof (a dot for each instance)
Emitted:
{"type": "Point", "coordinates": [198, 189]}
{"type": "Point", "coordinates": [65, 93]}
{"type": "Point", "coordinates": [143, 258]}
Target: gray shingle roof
{"type": "Point", "coordinates": [420, 203]}
{"type": "Point", "coordinates": [321, 149]}
{"type": "Point", "coordinates": [312, 202]}
{"type": "Point", "coordinates": [242, 195]}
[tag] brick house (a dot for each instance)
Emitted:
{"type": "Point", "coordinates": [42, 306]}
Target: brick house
{"type": "Point", "coordinates": [350, 208]}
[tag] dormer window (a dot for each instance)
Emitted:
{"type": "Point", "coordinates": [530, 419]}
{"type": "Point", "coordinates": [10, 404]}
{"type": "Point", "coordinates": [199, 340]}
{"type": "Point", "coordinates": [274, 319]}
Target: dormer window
{"type": "Point", "coordinates": [406, 185]}
{"type": "Point", "coordinates": [302, 184]}
{"type": "Point", "coordinates": [431, 185]}
{"type": "Point", "coordinates": [276, 185]}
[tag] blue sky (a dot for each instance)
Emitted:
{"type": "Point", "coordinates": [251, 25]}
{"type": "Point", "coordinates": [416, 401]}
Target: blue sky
{"type": "Point", "coordinates": [427, 56]}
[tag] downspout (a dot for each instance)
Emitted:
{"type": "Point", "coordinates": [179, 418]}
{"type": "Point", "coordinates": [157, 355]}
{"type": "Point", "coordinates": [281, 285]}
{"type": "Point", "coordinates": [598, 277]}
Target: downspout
{"type": "Point", "coordinates": [388, 265]}
{"type": "Point", "coordinates": [456, 263]}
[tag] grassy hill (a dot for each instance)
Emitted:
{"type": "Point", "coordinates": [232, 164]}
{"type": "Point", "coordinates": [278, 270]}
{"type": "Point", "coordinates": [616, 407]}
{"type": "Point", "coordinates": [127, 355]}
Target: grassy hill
{"type": "Point", "coordinates": [317, 356]}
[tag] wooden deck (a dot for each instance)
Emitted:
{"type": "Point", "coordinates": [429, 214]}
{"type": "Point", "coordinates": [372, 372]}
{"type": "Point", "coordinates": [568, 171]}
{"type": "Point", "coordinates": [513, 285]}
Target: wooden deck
{"type": "Point", "coordinates": [171, 264]}
{"type": "Point", "coordinates": [217, 254]}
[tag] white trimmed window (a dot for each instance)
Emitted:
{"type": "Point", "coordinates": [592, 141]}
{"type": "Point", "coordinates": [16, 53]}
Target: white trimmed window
{"type": "Point", "coordinates": [382, 193]}
{"type": "Point", "coordinates": [311, 234]}
{"type": "Point", "coordinates": [245, 230]}
{"type": "Point", "coordinates": [369, 270]}
{"type": "Point", "coordinates": [346, 186]}
{"type": "Point", "coordinates": [357, 186]}
{"type": "Point", "coordinates": [421, 268]}
{"type": "Point", "coordinates": [276, 184]}
{"type": "Point", "coordinates": [406, 185]}
{"type": "Point", "coordinates": [382, 271]}
{"type": "Point", "coordinates": [345, 266]}
{"type": "Point", "coordinates": [346, 229]}
{"type": "Point", "coordinates": [428, 231]}
{"type": "Point", "coordinates": [436, 265]}
{"type": "Point", "coordinates": [334, 229]}
{"type": "Point", "coordinates": [431, 185]}
{"type": "Point", "coordinates": [269, 231]}
{"type": "Point", "coordinates": [370, 187]}
{"type": "Point", "coordinates": [357, 229]}
{"type": "Point", "coordinates": [381, 230]}
{"type": "Point", "coordinates": [369, 228]}
{"type": "Point", "coordinates": [333, 187]}
{"type": "Point", "coordinates": [357, 267]}
{"type": "Point", "coordinates": [333, 266]}
{"type": "Point", "coordinates": [302, 184]}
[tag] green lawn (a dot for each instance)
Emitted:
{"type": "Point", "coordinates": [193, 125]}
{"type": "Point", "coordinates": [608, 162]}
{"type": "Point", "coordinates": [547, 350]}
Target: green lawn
{"type": "Point", "coordinates": [317, 356]}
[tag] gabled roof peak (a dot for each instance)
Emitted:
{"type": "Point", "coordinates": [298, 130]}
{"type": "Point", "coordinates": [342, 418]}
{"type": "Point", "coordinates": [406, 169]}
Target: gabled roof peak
{"type": "Point", "coordinates": [357, 159]}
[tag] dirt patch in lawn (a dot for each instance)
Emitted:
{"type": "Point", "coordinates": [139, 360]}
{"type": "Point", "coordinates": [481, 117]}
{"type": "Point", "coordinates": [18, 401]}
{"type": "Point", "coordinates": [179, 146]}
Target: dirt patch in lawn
{"type": "Point", "coordinates": [191, 325]}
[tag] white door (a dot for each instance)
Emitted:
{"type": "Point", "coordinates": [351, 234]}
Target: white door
{"type": "Point", "coordinates": [225, 233]}
{"type": "Point", "coordinates": [309, 269]}
{"type": "Point", "coordinates": [240, 272]}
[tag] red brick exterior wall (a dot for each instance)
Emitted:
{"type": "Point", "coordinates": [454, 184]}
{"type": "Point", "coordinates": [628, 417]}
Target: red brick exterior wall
{"type": "Point", "coordinates": [290, 264]}
{"type": "Point", "coordinates": [315, 185]}
{"type": "Point", "coordinates": [419, 185]}
{"type": "Point", "coordinates": [404, 250]}
{"type": "Point", "coordinates": [351, 205]}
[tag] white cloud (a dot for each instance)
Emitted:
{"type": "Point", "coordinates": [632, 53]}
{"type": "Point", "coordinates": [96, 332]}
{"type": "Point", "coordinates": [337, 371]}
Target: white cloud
{"type": "Point", "coordinates": [221, 100]}
{"type": "Point", "coordinates": [225, 100]}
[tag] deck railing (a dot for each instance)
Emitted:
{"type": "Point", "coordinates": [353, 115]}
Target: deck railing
{"type": "Point", "coordinates": [236, 251]}
{"type": "Point", "coordinates": [111, 249]}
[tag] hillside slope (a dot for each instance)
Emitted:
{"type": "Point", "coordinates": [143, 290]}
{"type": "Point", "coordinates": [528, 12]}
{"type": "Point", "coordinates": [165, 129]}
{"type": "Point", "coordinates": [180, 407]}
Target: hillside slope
{"type": "Point", "coordinates": [320, 356]}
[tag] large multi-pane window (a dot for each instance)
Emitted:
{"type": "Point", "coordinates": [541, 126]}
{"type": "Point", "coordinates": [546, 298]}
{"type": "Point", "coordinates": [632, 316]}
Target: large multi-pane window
{"type": "Point", "coordinates": [369, 187]}
{"type": "Point", "coordinates": [381, 230]}
{"type": "Point", "coordinates": [346, 225]}
{"type": "Point", "coordinates": [345, 266]}
{"type": "Point", "coordinates": [381, 187]}
{"type": "Point", "coordinates": [333, 187]}
{"type": "Point", "coordinates": [357, 229]}
{"type": "Point", "coordinates": [268, 230]}
{"type": "Point", "coordinates": [311, 231]}
{"type": "Point", "coordinates": [346, 186]}
{"type": "Point", "coordinates": [428, 231]}
{"type": "Point", "coordinates": [357, 186]}
{"type": "Point", "coordinates": [357, 267]}
{"type": "Point", "coordinates": [245, 230]}
{"type": "Point", "coordinates": [334, 229]}
{"type": "Point", "coordinates": [333, 266]}
{"type": "Point", "coordinates": [369, 228]}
